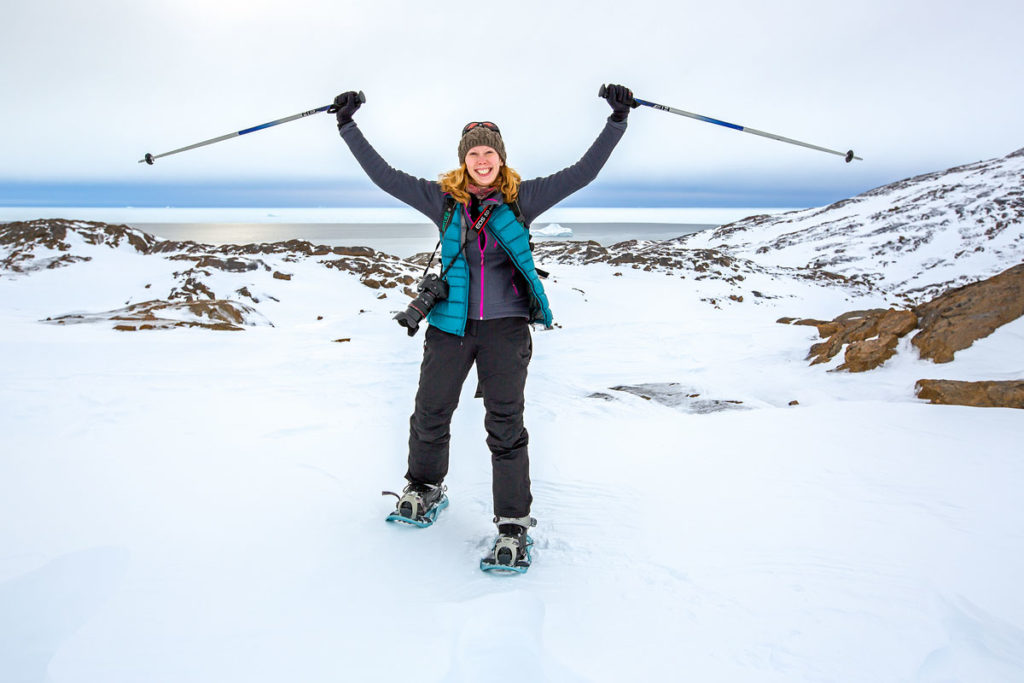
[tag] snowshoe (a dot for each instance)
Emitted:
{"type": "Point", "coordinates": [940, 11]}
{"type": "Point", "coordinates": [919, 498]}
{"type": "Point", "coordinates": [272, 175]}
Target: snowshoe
{"type": "Point", "coordinates": [511, 551]}
{"type": "Point", "coordinates": [418, 505]}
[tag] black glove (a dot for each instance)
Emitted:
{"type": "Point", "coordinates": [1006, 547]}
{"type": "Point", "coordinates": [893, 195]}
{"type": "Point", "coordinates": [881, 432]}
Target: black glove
{"type": "Point", "coordinates": [620, 99]}
{"type": "Point", "coordinates": [345, 105]}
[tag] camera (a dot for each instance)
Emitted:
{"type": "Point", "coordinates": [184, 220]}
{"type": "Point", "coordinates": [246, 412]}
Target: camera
{"type": "Point", "coordinates": [431, 290]}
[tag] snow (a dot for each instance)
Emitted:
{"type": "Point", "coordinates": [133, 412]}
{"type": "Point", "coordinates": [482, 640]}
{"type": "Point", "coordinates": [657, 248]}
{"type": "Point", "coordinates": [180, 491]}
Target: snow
{"type": "Point", "coordinates": [914, 233]}
{"type": "Point", "coordinates": [192, 505]}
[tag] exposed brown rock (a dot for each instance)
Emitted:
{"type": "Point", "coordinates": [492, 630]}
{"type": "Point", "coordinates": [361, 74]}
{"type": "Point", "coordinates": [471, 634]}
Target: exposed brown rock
{"type": "Point", "coordinates": [825, 329]}
{"type": "Point", "coordinates": [825, 351]}
{"type": "Point", "coordinates": [53, 234]}
{"type": "Point", "coordinates": [148, 315]}
{"type": "Point", "coordinates": [20, 240]}
{"type": "Point", "coordinates": [869, 353]}
{"type": "Point", "coordinates": [870, 337]}
{"type": "Point", "coordinates": [191, 289]}
{"type": "Point", "coordinates": [1008, 394]}
{"type": "Point", "coordinates": [230, 264]}
{"type": "Point", "coordinates": [953, 321]}
{"type": "Point", "coordinates": [801, 321]}
{"type": "Point", "coordinates": [948, 323]}
{"type": "Point", "coordinates": [22, 237]}
{"type": "Point", "coordinates": [897, 323]}
{"type": "Point", "coordinates": [673, 257]}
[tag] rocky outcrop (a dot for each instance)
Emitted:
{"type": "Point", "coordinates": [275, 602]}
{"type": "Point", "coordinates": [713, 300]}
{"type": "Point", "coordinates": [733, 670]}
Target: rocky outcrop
{"type": "Point", "coordinates": [733, 276]}
{"type": "Point", "coordinates": [946, 324]}
{"type": "Point", "coordinates": [1009, 394]}
{"type": "Point", "coordinates": [161, 315]}
{"type": "Point", "coordinates": [22, 240]}
{"type": "Point", "coordinates": [667, 256]}
{"type": "Point", "coordinates": [961, 316]}
{"type": "Point", "coordinates": [191, 296]}
{"type": "Point", "coordinates": [47, 243]}
{"type": "Point", "coordinates": [869, 337]}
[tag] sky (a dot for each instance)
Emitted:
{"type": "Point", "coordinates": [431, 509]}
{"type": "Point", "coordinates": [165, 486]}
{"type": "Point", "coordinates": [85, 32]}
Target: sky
{"type": "Point", "coordinates": [89, 88]}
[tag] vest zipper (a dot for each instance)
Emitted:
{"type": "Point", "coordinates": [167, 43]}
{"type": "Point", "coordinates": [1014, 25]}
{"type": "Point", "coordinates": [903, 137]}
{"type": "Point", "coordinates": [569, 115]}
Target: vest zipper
{"type": "Point", "coordinates": [482, 240]}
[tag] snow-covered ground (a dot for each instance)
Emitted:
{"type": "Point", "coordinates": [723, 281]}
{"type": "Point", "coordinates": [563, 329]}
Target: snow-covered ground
{"type": "Point", "coordinates": [201, 506]}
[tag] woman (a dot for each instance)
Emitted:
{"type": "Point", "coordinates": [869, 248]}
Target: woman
{"type": "Point", "coordinates": [494, 294]}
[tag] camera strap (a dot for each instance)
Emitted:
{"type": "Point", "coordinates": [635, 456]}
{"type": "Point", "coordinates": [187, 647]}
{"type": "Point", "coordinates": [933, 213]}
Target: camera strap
{"type": "Point", "coordinates": [478, 225]}
{"type": "Point", "coordinates": [449, 211]}
{"type": "Point", "coordinates": [477, 228]}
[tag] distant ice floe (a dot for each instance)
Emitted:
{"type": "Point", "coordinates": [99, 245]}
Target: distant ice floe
{"type": "Point", "coordinates": [552, 230]}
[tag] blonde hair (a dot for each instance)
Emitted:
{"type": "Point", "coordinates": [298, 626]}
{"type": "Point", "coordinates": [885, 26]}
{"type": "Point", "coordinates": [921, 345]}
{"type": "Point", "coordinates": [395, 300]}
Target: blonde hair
{"type": "Point", "coordinates": [455, 182]}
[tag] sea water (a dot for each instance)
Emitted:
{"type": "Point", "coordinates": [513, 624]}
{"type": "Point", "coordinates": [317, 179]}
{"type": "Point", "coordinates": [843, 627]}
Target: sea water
{"type": "Point", "coordinates": [393, 238]}
{"type": "Point", "coordinates": [399, 231]}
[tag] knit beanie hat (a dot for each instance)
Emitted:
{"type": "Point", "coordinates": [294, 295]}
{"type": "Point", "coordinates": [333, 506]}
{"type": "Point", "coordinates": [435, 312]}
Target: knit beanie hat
{"type": "Point", "coordinates": [481, 135]}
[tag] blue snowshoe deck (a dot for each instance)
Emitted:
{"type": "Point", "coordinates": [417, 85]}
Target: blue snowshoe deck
{"type": "Point", "coordinates": [424, 520]}
{"type": "Point", "coordinates": [491, 566]}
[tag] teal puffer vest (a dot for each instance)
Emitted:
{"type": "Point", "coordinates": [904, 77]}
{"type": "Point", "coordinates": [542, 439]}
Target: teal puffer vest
{"type": "Point", "coordinates": [450, 315]}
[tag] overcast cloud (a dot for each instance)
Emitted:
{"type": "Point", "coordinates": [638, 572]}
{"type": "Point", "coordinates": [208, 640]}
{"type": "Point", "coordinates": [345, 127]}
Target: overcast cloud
{"type": "Point", "coordinates": [912, 86]}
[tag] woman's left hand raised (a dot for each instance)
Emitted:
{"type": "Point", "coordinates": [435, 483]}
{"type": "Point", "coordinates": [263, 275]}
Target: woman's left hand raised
{"type": "Point", "coordinates": [346, 104]}
{"type": "Point", "coordinates": [620, 99]}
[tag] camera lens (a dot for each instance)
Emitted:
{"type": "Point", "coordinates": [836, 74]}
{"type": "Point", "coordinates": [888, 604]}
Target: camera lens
{"type": "Point", "coordinates": [431, 290]}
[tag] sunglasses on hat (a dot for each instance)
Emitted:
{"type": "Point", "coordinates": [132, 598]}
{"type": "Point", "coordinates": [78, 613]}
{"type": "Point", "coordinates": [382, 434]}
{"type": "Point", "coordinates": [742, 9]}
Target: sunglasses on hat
{"type": "Point", "coordinates": [486, 124]}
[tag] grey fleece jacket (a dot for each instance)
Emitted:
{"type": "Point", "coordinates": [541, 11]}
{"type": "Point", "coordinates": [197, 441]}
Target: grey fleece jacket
{"type": "Point", "coordinates": [494, 292]}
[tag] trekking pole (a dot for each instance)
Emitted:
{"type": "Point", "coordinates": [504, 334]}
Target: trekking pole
{"type": "Point", "coordinates": [849, 156]}
{"type": "Point", "coordinates": [150, 158]}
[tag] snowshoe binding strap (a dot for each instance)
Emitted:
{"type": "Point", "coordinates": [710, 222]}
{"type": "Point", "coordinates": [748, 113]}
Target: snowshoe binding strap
{"type": "Point", "coordinates": [511, 551]}
{"type": "Point", "coordinates": [510, 554]}
{"type": "Point", "coordinates": [506, 550]}
{"type": "Point", "coordinates": [525, 522]}
{"type": "Point", "coordinates": [419, 504]}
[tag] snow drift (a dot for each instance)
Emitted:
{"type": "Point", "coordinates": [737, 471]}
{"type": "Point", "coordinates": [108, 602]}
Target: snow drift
{"type": "Point", "coordinates": [184, 504]}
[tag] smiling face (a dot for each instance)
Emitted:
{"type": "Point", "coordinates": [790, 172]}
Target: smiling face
{"type": "Point", "coordinates": [483, 163]}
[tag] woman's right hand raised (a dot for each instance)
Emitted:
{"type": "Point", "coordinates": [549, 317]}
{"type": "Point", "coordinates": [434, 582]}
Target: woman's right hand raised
{"type": "Point", "coordinates": [346, 104]}
{"type": "Point", "coordinates": [621, 100]}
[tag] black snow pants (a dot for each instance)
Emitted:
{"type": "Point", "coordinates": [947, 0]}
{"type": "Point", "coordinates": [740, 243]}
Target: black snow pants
{"type": "Point", "coordinates": [501, 349]}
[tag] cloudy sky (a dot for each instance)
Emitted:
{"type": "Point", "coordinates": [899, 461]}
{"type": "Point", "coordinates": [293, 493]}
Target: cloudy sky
{"type": "Point", "coordinates": [90, 87]}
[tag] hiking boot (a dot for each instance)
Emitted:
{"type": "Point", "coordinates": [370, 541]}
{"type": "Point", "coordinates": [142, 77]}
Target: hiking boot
{"type": "Point", "coordinates": [419, 504]}
{"type": "Point", "coordinates": [418, 498]}
{"type": "Point", "coordinates": [512, 547]}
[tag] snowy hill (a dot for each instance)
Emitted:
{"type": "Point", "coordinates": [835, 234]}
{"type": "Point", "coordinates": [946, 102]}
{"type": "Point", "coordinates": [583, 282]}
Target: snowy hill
{"type": "Point", "coordinates": [914, 238]}
{"type": "Point", "coordinates": [193, 440]}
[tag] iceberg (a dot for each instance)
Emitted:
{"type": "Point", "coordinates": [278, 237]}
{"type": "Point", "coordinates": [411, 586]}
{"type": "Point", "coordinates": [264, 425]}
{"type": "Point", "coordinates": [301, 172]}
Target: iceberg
{"type": "Point", "coordinates": [552, 230]}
